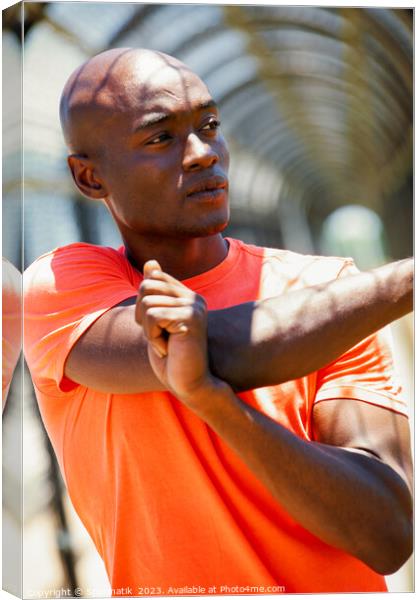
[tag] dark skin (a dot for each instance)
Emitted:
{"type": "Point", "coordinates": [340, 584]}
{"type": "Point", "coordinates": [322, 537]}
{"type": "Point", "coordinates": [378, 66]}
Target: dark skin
{"type": "Point", "coordinates": [143, 134]}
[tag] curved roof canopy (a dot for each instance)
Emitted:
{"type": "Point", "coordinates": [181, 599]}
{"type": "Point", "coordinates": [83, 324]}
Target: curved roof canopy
{"type": "Point", "coordinates": [316, 102]}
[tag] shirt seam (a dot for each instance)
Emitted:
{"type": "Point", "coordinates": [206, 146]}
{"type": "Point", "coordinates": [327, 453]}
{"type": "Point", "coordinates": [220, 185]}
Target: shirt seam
{"type": "Point", "coordinates": [328, 388]}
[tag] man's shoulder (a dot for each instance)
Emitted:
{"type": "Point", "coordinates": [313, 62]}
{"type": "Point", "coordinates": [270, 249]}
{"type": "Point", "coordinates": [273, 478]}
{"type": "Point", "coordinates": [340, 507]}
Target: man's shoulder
{"type": "Point", "coordinates": [305, 269]}
{"type": "Point", "coordinates": [78, 252]}
{"type": "Point", "coordinates": [74, 251]}
{"type": "Point", "coordinates": [70, 261]}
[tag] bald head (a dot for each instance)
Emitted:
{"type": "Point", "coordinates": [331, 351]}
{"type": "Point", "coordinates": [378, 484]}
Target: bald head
{"type": "Point", "coordinates": [107, 84]}
{"type": "Point", "coordinates": [143, 131]}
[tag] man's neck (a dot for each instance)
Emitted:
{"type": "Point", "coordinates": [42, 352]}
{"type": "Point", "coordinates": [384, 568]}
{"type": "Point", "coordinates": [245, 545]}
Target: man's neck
{"type": "Point", "coordinates": [181, 258]}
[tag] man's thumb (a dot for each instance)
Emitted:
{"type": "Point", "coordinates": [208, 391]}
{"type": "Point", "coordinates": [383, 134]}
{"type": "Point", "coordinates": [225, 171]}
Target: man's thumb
{"type": "Point", "coordinates": [149, 267]}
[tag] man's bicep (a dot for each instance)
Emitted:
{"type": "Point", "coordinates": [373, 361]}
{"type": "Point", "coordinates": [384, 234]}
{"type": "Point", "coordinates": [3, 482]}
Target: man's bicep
{"type": "Point", "coordinates": [358, 425]}
{"type": "Point", "coordinates": [111, 355]}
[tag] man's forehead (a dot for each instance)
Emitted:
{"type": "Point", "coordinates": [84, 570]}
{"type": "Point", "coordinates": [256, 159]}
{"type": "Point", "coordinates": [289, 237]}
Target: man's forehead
{"type": "Point", "coordinates": [162, 89]}
{"type": "Point", "coordinates": [175, 99]}
{"type": "Point", "coordinates": [165, 92]}
{"type": "Point", "coordinates": [127, 81]}
{"type": "Point", "coordinates": [165, 84]}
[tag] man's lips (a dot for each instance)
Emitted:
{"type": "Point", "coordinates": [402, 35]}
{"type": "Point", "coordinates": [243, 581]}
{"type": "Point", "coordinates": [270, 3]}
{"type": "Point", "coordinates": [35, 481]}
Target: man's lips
{"type": "Point", "coordinates": [209, 184]}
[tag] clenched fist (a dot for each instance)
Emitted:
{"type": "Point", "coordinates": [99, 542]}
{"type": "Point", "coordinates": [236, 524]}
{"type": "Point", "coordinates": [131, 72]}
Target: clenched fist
{"type": "Point", "coordinates": [174, 320]}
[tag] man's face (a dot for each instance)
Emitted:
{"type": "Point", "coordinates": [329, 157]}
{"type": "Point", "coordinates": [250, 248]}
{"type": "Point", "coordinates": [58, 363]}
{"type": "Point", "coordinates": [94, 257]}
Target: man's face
{"type": "Point", "coordinates": [163, 159]}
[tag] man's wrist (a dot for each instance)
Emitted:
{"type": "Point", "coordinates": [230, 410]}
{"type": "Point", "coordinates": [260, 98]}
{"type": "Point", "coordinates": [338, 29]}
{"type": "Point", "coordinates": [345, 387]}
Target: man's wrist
{"type": "Point", "coordinates": [204, 399]}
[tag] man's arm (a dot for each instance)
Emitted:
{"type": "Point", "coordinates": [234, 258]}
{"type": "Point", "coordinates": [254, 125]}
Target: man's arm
{"type": "Point", "coordinates": [350, 487]}
{"type": "Point", "coordinates": [252, 344]}
{"type": "Point", "coordinates": [298, 333]}
{"type": "Point", "coordinates": [355, 499]}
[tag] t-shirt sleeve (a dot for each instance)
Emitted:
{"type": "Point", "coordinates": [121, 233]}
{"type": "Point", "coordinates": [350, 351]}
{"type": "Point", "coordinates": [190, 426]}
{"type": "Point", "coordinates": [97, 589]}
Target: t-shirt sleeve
{"type": "Point", "coordinates": [65, 292]}
{"type": "Point", "coordinates": [366, 372]}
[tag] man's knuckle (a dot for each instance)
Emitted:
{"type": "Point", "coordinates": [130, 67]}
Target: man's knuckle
{"type": "Point", "coordinates": [200, 301]}
{"type": "Point", "coordinates": [152, 314]}
{"type": "Point", "coordinates": [197, 312]}
{"type": "Point", "coordinates": [147, 302]}
{"type": "Point", "coordinates": [144, 287]}
{"type": "Point", "coordinates": [200, 305]}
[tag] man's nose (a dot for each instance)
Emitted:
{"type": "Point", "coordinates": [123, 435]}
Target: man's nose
{"type": "Point", "coordinates": [198, 154]}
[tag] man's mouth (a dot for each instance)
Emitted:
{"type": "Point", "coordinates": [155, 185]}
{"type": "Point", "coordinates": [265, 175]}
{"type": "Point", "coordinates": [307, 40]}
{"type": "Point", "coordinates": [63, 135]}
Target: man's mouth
{"type": "Point", "coordinates": [210, 184]}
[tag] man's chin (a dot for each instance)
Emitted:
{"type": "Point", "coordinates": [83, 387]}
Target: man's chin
{"type": "Point", "coordinates": [208, 229]}
{"type": "Point", "coordinates": [211, 224]}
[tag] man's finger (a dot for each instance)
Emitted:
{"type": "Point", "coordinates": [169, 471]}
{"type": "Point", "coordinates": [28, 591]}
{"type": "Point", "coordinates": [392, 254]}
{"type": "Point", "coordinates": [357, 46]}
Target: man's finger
{"type": "Point", "coordinates": [158, 287]}
{"type": "Point", "coordinates": [169, 319]}
{"type": "Point", "coordinates": [163, 322]}
{"type": "Point", "coordinates": [162, 300]}
{"type": "Point", "coordinates": [149, 267]}
{"type": "Point", "coordinates": [152, 269]}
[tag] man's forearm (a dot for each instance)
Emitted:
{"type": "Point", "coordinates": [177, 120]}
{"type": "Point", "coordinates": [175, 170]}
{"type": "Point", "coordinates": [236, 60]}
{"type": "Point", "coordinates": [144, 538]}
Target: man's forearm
{"type": "Point", "coordinates": [316, 483]}
{"type": "Point", "coordinates": [289, 336]}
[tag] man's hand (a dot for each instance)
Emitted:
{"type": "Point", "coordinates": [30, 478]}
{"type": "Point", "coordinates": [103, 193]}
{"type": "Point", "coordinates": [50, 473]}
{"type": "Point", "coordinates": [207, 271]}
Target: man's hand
{"type": "Point", "coordinates": [174, 320]}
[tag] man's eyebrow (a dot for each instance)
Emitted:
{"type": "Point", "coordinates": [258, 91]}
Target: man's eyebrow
{"type": "Point", "coordinates": [150, 120]}
{"type": "Point", "coordinates": [208, 104]}
{"type": "Point", "coordinates": [154, 118]}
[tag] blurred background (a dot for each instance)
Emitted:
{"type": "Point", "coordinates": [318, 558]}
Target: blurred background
{"type": "Point", "coordinates": [316, 105]}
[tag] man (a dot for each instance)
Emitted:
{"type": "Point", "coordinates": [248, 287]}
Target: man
{"type": "Point", "coordinates": [183, 485]}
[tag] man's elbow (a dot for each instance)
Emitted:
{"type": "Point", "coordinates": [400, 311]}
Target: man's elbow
{"type": "Point", "coordinates": [392, 547]}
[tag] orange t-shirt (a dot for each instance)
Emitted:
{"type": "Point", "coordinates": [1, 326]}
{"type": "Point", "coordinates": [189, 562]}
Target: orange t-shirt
{"type": "Point", "coordinates": [168, 504]}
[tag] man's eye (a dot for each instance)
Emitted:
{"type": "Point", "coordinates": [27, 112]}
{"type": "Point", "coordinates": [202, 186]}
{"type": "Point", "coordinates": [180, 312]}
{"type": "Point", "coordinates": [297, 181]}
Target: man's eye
{"type": "Point", "coordinates": [159, 139]}
{"type": "Point", "coordinates": [211, 125]}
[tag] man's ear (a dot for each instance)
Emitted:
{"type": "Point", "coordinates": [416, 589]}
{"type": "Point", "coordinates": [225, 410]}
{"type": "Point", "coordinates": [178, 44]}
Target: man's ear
{"type": "Point", "coordinates": [84, 177]}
